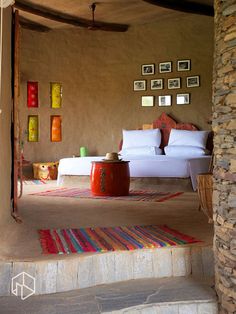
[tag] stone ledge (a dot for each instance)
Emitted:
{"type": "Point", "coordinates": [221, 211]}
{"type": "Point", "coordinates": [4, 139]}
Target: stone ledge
{"type": "Point", "coordinates": [103, 268]}
{"type": "Point", "coordinates": [144, 296]}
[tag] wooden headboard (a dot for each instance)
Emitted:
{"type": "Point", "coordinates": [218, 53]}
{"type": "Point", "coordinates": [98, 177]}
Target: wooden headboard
{"type": "Point", "coordinates": [165, 123]}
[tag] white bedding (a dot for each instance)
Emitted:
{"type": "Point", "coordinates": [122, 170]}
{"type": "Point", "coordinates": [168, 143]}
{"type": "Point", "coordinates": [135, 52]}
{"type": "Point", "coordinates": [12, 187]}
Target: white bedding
{"type": "Point", "coordinates": [142, 166]}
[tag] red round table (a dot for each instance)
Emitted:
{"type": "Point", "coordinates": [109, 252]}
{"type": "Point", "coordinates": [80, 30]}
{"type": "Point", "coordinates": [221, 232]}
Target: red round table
{"type": "Point", "coordinates": [110, 178]}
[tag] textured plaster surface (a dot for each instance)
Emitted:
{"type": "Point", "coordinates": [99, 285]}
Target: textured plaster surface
{"type": "Point", "coordinates": [5, 122]}
{"type": "Point", "coordinates": [40, 212]}
{"type": "Point", "coordinates": [97, 70]}
{"type": "Point", "coordinates": [58, 273]}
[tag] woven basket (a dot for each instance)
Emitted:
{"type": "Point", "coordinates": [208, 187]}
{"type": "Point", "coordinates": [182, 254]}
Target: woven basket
{"type": "Point", "coordinates": [205, 190]}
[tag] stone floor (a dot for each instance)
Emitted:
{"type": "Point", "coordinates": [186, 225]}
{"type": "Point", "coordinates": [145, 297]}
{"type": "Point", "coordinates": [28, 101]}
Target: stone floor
{"type": "Point", "coordinates": [20, 241]}
{"type": "Point", "coordinates": [147, 296]}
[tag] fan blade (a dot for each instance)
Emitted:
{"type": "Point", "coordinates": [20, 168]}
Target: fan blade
{"type": "Point", "coordinates": [66, 18]}
{"type": "Point", "coordinates": [184, 6]}
{"type": "Point", "coordinates": [28, 24]}
{"type": "Point", "coordinates": [109, 27]}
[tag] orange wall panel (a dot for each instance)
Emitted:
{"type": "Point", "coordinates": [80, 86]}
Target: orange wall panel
{"type": "Point", "coordinates": [56, 132]}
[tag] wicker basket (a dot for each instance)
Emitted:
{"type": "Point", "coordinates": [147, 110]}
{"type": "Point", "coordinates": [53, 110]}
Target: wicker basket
{"type": "Point", "coordinates": [205, 190]}
{"type": "Point", "coordinates": [45, 170]}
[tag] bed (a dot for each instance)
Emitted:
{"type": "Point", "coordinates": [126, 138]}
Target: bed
{"type": "Point", "coordinates": [150, 166]}
{"type": "Point", "coordinates": [147, 166]}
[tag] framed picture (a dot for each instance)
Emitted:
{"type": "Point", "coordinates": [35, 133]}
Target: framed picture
{"type": "Point", "coordinates": [164, 100]}
{"type": "Point", "coordinates": [183, 65]}
{"type": "Point", "coordinates": [139, 85]}
{"type": "Point", "coordinates": [157, 84]}
{"type": "Point", "coordinates": [148, 69]}
{"type": "Point", "coordinates": [147, 101]}
{"type": "Point", "coordinates": [182, 99]}
{"type": "Point", "coordinates": [174, 83]}
{"type": "Point", "coordinates": [165, 67]}
{"type": "Point", "coordinates": [193, 81]}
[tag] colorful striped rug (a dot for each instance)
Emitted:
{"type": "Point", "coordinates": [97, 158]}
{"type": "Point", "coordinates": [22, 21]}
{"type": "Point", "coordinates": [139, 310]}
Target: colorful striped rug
{"type": "Point", "coordinates": [32, 182]}
{"type": "Point", "coordinates": [133, 195]}
{"type": "Point", "coordinates": [66, 241]}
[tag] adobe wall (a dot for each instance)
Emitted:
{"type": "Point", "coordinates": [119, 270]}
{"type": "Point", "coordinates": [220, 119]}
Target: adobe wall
{"type": "Point", "coordinates": [5, 122]}
{"type": "Point", "coordinates": [97, 70]}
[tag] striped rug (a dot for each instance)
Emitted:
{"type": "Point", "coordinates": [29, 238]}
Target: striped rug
{"type": "Point", "coordinates": [36, 182]}
{"type": "Point", "coordinates": [66, 241]}
{"type": "Point", "coordinates": [133, 195]}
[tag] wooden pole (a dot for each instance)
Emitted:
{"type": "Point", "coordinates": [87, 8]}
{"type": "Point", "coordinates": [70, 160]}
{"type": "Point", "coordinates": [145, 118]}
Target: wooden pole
{"type": "Point", "coordinates": [16, 148]}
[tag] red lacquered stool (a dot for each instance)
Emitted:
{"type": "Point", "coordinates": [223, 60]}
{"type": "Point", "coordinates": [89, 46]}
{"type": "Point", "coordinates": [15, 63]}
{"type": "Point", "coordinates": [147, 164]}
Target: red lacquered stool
{"type": "Point", "coordinates": [110, 178]}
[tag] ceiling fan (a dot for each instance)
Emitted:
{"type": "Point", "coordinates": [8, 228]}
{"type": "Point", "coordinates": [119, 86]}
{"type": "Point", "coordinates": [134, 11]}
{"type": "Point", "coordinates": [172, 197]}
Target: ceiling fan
{"type": "Point", "coordinates": [110, 27]}
{"type": "Point", "coordinates": [65, 18]}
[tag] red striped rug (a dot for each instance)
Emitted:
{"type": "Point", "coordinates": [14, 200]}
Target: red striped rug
{"type": "Point", "coordinates": [134, 195]}
{"type": "Point", "coordinates": [66, 241]}
{"type": "Point", "coordinates": [32, 182]}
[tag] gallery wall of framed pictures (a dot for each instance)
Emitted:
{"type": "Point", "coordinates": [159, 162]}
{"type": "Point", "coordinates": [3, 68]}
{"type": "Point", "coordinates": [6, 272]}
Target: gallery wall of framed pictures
{"type": "Point", "coordinates": [167, 89]}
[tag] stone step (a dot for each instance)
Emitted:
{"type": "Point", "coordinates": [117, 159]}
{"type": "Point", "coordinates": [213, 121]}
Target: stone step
{"type": "Point", "coordinates": [150, 296]}
{"type": "Point", "coordinates": [79, 271]}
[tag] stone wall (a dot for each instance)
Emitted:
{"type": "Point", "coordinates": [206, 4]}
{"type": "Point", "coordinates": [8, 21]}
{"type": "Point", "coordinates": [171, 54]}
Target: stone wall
{"type": "Point", "coordinates": [224, 126]}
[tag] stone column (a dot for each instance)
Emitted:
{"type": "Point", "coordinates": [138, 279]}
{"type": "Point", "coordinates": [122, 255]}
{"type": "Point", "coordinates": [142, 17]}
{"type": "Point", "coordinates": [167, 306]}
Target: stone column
{"type": "Point", "coordinates": [224, 127]}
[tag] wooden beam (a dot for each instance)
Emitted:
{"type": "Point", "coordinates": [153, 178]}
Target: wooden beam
{"type": "Point", "coordinates": [49, 14]}
{"type": "Point", "coordinates": [28, 24]}
{"type": "Point", "coordinates": [66, 18]}
{"type": "Point", "coordinates": [184, 6]}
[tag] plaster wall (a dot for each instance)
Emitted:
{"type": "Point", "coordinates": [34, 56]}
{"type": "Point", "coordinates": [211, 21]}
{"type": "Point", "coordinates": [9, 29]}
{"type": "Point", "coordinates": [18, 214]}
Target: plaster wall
{"type": "Point", "coordinates": [5, 121]}
{"type": "Point", "coordinates": [97, 70]}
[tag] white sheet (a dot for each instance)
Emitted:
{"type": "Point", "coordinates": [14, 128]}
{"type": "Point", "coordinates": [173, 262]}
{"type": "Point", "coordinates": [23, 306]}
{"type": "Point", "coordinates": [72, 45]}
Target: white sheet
{"type": "Point", "coordinates": [142, 166]}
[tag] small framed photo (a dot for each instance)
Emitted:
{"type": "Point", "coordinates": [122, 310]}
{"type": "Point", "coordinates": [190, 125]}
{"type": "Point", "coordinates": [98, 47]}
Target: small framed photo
{"type": "Point", "coordinates": [183, 65]}
{"type": "Point", "coordinates": [147, 101]}
{"type": "Point", "coordinates": [139, 85]}
{"type": "Point", "coordinates": [193, 81]}
{"type": "Point", "coordinates": [157, 84]}
{"type": "Point", "coordinates": [183, 99]}
{"type": "Point", "coordinates": [165, 67]}
{"type": "Point", "coordinates": [174, 83]}
{"type": "Point", "coordinates": [164, 100]}
{"type": "Point", "coordinates": [148, 69]}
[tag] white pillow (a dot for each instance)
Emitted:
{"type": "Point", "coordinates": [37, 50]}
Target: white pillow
{"type": "Point", "coordinates": [188, 138]}
{"type": "Point", "coordinates": [186, 151]}
{"type": "Point", "coordinates": [142, 150]}
{"type": "Point", "coordinates": [134, 138]}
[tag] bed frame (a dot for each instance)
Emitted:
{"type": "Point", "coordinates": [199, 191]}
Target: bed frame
{"type": "Point", "coordinates": [137, 183]}
{"type": "Point", "coordinates": [165, 123]}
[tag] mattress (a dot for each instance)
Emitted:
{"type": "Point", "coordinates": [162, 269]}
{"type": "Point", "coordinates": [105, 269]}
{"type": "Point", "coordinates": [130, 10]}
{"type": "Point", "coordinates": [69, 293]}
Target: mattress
{"type": "Point", "coordinates": [142, 166]}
